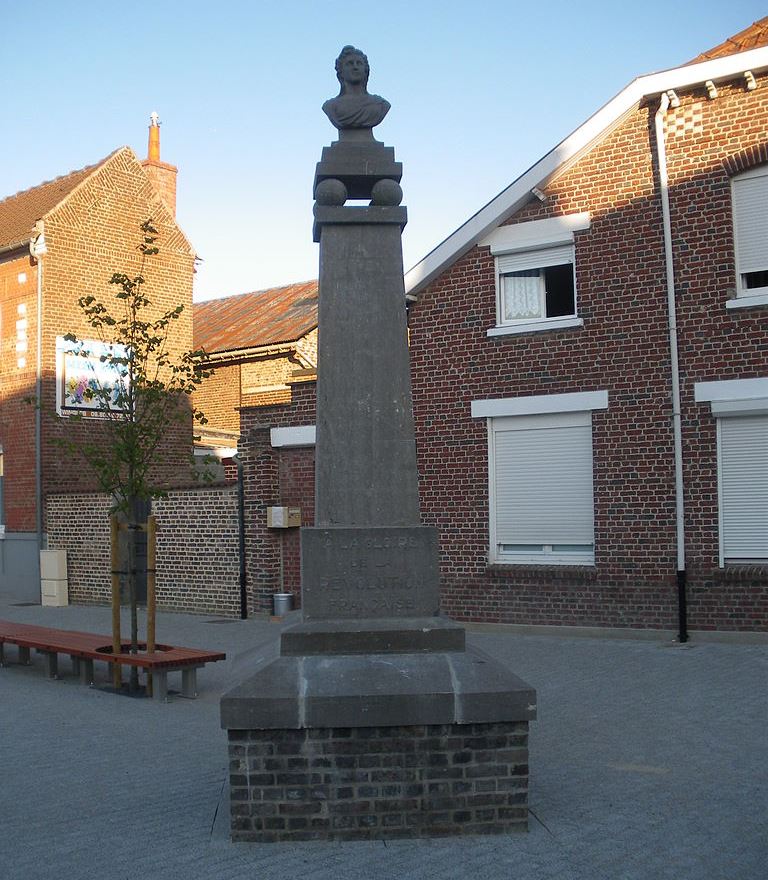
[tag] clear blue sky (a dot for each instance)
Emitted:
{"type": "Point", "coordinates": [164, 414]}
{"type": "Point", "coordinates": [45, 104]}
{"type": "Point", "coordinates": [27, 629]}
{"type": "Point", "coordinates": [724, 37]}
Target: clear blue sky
{"type": "Point", "coordinates": [479, 92]}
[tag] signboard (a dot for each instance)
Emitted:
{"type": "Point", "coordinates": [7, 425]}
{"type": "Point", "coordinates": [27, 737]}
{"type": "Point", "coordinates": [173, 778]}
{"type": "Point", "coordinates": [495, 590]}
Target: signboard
{"type": "Point", "coordinates": [87, 383]}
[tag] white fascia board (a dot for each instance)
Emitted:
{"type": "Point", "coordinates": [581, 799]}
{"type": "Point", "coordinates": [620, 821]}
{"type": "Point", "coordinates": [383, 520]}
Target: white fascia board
{"type": "Point", "coordinates": [540, 403]}
{"type": "Point", "coordinates": [733, 396]}
{"type": "Point", "coordinates": [289, 437]}
{"type": "Point", "coordinates": [535, 233]}
{"type": "Point", "coordinates": [517, 193]}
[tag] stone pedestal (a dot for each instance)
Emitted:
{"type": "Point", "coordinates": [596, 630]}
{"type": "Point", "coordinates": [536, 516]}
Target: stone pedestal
{"type": "Point", "coordinates": [342, 783]}
{"type": "Point", "coordinates": [370, 717]}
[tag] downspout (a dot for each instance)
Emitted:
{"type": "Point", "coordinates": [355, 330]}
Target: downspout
{"type": "Point", "coordinates": [677, 430]}
{"type": "Point", "coordinates": [241, 536]}
{"type": "Point", "coordinates": [37, 248]}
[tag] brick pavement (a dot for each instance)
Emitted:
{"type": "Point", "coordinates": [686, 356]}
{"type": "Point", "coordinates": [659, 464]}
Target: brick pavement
{"type": "Point", "coordinates": [647, 761]}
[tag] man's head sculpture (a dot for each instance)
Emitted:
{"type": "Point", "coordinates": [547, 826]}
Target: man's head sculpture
{"type": "Point", "coordinates": [345, 53]}
{"type": "Point", "coordinates": [354, 112]}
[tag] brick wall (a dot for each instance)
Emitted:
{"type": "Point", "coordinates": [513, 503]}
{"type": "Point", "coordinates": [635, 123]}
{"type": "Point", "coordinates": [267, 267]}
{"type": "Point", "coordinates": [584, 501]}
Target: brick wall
{"type": "Point", "coordinates": [378, 782]}
{"type": "Point", "coordinates": [18, 327]}
{"type": "Point", "coordinates": [198, 567]}
{"type": "Point", "coordinates": [623, 347]}
{"type": "Point", "coordinates": [252, 382]}
{"type": "Point", "coordinates": [275, 477]}
{"type": "Point", "coordinates": [218, 397]}
{"type": "Point", "coordinates": [91, 234]}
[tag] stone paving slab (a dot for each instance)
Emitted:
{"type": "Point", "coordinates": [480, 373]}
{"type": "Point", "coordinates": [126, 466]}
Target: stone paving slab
{"type": "Point", "coordinates": [647, 761]}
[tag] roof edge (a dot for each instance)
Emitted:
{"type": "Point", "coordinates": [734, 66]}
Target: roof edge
{"type": "Point", "coordinates": [97, 166]}
{"type": "Point", "coordinates": [510, 199]}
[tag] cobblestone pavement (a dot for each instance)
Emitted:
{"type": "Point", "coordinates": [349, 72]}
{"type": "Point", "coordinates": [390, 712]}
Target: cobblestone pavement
{"type": "Point", "coordinates": [647, 761]}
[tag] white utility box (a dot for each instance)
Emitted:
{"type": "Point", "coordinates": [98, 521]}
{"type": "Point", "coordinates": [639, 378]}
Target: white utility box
{"type": "Point", "coordinates": [54, 589]}
{"type": "Point", "coordinates": [283, 517]}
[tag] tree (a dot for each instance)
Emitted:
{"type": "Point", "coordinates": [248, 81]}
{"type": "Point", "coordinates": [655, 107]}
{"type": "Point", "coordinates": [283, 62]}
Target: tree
{"type": "Point", "coordinates": [139, 390]}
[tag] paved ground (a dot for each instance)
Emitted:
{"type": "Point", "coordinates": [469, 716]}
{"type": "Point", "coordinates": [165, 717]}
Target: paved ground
{"type": "Point", "coordinates": [647, 761]}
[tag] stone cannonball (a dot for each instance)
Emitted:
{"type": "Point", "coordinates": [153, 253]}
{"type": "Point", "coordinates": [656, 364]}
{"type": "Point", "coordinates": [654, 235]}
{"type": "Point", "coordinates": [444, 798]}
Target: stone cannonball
{"type": "Point", "coordinates": [330, 192]}
{"type": "Point", "coordinates": [386, 192]}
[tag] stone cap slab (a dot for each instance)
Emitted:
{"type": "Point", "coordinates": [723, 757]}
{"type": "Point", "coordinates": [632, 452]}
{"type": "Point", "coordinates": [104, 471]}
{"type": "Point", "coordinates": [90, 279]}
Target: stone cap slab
{"type": "Point", "coordinates": [359, 165]}
{"type": "Point", "coordinates": [377, 690]}
{"type": "Point", "coordinates": [373, 636]}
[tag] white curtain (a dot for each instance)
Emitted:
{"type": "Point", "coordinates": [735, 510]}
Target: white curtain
{"type": "Point", "coordinates": [523, 295]}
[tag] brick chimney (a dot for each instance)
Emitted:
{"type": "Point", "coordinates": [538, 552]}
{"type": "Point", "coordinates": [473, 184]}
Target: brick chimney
{"type": "Point", "coordinates": [162, 175]}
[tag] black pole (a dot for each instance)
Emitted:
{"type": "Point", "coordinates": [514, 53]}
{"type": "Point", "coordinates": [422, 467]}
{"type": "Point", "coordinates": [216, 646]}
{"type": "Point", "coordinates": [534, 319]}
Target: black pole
{"type": "Point", "coordinates": [241, 524]}
{"type": "Point", "coordinates": [682, 608]}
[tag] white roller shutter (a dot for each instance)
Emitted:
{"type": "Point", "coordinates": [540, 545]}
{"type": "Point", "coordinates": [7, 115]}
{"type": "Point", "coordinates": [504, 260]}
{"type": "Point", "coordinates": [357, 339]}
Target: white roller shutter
{"type": "Point", "coordinates": [743, 471]}
{"type": "Point", "coordinates": [750, 217]}
{"type": "Point", "coordinates": [542, 479]}
{"type": "Point", "coordinates": [534, 259]}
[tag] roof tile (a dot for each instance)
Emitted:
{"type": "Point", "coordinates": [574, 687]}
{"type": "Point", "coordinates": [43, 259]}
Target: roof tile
{"type": "Point", "coordinates": [19, 213]}
{"type": "Point", "coordinates": [753, 37]}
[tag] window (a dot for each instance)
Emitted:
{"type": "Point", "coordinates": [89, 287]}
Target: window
{"type": "Point", "coordinates": [541, 500]}
{"type": "Point", "coordinates": [743, 488]}
{"type": "Point", "coordinates": [750, 221]}
{"type": "Point", "coordinates": [741, 409]}
{"type": "Point", "coordinates": [536, 285]}
{"type": "Point", "coordinates": [536, 274]}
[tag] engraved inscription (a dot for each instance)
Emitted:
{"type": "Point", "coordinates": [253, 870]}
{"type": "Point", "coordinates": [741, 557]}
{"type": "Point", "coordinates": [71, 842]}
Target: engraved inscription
{"type": "Point", "coordinates": [372, 573]}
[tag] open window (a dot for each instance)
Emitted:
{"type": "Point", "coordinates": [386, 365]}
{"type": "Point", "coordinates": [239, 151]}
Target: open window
{"type": "Point", "coordinates": [536, 274]}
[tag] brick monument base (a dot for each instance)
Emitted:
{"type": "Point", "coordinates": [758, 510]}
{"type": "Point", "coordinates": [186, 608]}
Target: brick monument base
{"type": "Point", "coordinates": [346, 783]}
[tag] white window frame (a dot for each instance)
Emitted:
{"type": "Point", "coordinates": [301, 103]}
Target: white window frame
{"type": "Point", "coordinates": [732, 398]}
{"type": "Point", "coordinates": [746, 297]}
{"type": "Point", "coordinates": [574, 409]}
{"type": "Point", "coordinates": [537, 244]}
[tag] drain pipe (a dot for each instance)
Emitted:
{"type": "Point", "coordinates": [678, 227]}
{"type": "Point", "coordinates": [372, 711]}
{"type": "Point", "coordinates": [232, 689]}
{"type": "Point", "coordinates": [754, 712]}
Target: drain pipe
{"type": "Point", "coordinates": [677, 431]}
{"type": "Point", "coordinates": [241, 530]}
{"type": "Point", "coordinates": [37, 249]}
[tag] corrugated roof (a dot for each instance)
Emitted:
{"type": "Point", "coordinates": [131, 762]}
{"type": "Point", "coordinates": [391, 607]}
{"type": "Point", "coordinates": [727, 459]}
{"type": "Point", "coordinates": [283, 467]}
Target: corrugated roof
{"type": "Point", "coordinates": [18, 213]}
{"type": "Point", "coordinates": [249, 320]}
{"type": "Point", "coordinates": [753, 37]}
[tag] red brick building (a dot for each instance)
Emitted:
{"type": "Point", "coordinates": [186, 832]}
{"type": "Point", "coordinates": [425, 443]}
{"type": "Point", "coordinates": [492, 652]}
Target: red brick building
{"type": "Point", "coordinates": [589, 373]}
{"type": "Point", "coordinates": [59, 241]}
{"type": "Point", "coordinates": [259, 346]}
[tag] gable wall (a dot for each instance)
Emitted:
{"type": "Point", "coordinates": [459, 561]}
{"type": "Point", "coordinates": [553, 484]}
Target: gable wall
{"type": "Point", "coordinates": [93, 234]}
{"type": "Point", "coordinates": [18, 302]}
{"type": "Point", "coordinates": [623, 347]}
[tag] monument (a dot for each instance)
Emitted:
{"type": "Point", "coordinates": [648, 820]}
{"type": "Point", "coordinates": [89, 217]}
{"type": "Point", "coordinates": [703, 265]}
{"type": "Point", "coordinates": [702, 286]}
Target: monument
{"type": "Point", "coordinates": [371, 717]}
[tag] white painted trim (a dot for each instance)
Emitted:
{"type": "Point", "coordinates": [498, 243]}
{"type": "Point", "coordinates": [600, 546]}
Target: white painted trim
{"type": "Point", "coordinates": [540, 403]}
{"type": "Point", "coordinates": [291, 437]}
{"type": "Point", "coordinates": [758, 171]}
{"type": "Point", "coordinates": [744, 301]}
{"type": "Point", "coordinates": [535, 233]}
{"type": "Point", "coordinates": [740, 407]}
{"type": "Point", "coordinates": [535, 326]}
{"type": "Point", "coordinates": [720, 548]}
{"type": "Point", "coordinates": [517, 193]}
{"type": "Point", "coordinates": [731, 389]}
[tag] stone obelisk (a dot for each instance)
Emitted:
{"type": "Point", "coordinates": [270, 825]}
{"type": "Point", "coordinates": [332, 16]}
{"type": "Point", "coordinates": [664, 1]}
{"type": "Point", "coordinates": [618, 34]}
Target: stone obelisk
{"type": "Point", "coordinates": [371, 717]}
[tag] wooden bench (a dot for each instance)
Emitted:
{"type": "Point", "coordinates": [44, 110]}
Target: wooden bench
{"type": "Point", "coordinates": [85, 648]}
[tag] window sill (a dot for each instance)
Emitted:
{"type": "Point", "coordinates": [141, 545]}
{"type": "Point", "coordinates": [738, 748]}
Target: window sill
{"type": "Point", "coordinates": [535, 326]}
{"type": "Point", "coordinates": [742, 572]}
{"type": "Point", "coordinates": [585, 572]}
{"type": "Point", "coordinates": [745, 302]}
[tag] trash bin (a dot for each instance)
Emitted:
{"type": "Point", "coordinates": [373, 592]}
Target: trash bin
{"type": "Point", "coordinates": [282, 602]}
